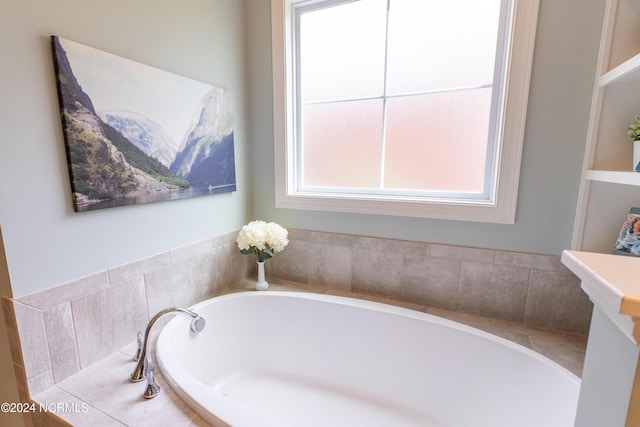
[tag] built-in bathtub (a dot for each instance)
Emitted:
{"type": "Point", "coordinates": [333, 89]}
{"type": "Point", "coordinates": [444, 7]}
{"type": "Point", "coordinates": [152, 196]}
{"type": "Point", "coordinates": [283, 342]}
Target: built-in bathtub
{"type": "Point", "coordinates": [303, 360]}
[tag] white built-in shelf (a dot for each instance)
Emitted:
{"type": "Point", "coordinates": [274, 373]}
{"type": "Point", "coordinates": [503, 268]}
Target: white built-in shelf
{"type": "Point", "coordinates": [614, 177]}
{"type": "Point", "coordinates": [615, 101]}
{"type": "Point", "coordinates": [627, 71]}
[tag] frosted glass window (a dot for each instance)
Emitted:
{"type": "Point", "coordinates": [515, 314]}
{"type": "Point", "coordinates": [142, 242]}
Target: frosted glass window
{"type": "Point", "coordinates": [336, 134]}
{"type": "Point", "coordinates": [396, 95]}
{"type": "Point", "coordinates": [401, 107]}
{"type": "Point", "coordinates": [429, 148]}
{"type": "Point", "coordinates": [436, 45]}
{"type": "Point", "coordinates": [342, 51]}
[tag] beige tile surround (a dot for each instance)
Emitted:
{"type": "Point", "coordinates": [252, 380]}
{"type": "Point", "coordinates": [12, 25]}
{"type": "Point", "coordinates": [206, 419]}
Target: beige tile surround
{"type": "Point", "coordinates": [64, 330]}
{"type": "Point", "coordinates": [63, 336]}
{"type": "Point", "coordinates": [536, 290]}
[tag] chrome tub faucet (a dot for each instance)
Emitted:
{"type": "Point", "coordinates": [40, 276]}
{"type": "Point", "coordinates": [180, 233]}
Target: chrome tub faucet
{"type": "Point", "coordinates": [144, 368]}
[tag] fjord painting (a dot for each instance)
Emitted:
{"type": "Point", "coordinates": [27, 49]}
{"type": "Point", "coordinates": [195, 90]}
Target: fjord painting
{"type": "Point", "coordinates": [136, 134]}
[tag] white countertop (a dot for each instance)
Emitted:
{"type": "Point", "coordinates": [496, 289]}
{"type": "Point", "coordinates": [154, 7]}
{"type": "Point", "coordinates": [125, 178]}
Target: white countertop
{"type": "Point", "coordinates": [613, 284]}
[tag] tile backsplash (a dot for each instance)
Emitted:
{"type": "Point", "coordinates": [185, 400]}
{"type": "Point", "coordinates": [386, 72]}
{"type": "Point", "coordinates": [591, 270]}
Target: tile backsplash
{"type": "Point", "coordinates": [533, 289]}
{"type": "Point", "coordinates": [59, 331]}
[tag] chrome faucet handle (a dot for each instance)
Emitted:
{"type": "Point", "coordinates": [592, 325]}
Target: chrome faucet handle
{"type": "Point", "coordinates": [197, 325]}
{"type": "Point", "coordinates": [153, 388]}
{"type": "Point", "coordinates": [136, 357]}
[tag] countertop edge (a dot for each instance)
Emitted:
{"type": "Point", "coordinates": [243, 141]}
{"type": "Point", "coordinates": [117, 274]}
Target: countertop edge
{"type": "Point", "coordinates": [612, 292]}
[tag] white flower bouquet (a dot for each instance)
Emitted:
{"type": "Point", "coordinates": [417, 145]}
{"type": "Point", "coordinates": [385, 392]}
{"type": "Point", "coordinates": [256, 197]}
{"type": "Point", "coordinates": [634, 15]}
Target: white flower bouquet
{"type": "Point", "coordinates": [263, 239]}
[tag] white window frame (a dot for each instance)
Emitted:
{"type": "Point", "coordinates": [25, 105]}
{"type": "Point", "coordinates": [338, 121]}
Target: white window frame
{"type": "Point", "coordinates": [500, 208]}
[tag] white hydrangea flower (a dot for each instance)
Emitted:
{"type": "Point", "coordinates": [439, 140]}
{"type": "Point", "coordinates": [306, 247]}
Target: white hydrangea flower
{"type": "Point", "coordinates": [262, 239]}
{"type": "Point", "coordinates": [252, 234]}
{"type": "Point", "coordinates": [276, 236]}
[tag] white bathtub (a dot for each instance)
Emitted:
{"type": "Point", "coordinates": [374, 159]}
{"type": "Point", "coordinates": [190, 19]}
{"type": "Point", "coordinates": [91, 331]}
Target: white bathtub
{"type": "Point", "coordinates": [303, 360]}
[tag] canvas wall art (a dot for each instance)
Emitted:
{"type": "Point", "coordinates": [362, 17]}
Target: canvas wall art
{"type": "Point", "coordinates": [136, 134]}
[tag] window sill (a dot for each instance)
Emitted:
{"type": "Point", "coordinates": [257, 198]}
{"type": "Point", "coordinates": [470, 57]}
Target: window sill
{"type": "Point", "coordinates": [476, 211]}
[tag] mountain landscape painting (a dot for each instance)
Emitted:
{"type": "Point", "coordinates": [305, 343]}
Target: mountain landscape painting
{"type": "Point", "coordinates": [136, 134]}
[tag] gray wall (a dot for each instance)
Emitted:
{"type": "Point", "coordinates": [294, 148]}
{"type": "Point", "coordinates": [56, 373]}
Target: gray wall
{"type": "Point", "coordinates": [46, 242]}
{"type": "Point", "coordinates": [561, 87]}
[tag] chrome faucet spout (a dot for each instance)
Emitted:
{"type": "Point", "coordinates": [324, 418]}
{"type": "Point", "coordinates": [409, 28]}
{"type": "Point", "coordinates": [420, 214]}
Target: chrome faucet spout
{"type": "Point", "coordinates": [197, 325]}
